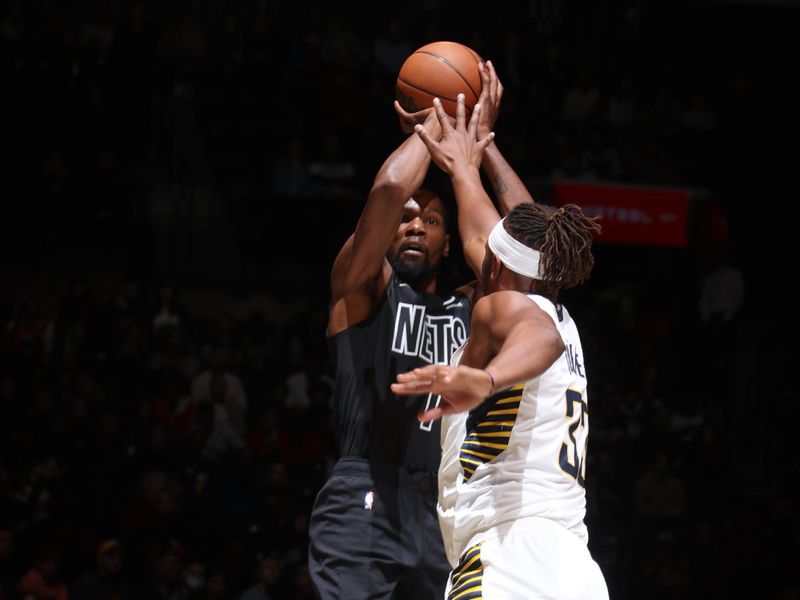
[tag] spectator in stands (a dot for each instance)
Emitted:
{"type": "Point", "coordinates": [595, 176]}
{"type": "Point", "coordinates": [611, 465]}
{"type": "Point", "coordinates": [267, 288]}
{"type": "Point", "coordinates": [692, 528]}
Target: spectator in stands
{"type": "Point", "coordinates": [581, 103]}
{"type": "Point", "coordinates": [268, 579]}
{"type": "Point", "coordinates": [213, 418]}
{"type": "Point", "coordinates": [660, 494]}
{"type": "Point", "coordinates": [105, 581]}
{"type": "Point", "coordinates": [43, 578]}
{"type": "Point", "coordinates": [600, 159]}
{"type": "Point", "coordinates": [164, 581]}
{"type": "Point", "coordinates": [721, 292]}
{"type": "Point", "coordinates": [218, 383]}
{"type": "Point", "coordinates": [303, 586]}
{"type": "Point", "coordinates": [167, 311]}
{"type": "Point", "coordinates": [264, 435]}
{"type": "Point", "coordinates": [9, 569]}
{"type": "Point", "coordinates": [216, 587]}
{"type": "Point", "coordinates": [171, 406]}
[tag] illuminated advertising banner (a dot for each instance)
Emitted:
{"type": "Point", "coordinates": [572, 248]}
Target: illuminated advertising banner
{"type": "Point", "coordinates": [631, 214]}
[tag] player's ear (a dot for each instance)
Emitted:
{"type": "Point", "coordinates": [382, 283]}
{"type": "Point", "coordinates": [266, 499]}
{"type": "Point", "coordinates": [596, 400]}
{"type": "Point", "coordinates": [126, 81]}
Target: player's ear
{"type": "Point", "coordinates": [494, 270]}
{"type": "Point", "coordinates": [446, 248]}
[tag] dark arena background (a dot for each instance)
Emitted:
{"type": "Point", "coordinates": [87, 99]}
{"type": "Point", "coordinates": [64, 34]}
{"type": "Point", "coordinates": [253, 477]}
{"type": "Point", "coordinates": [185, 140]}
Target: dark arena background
{"type": "Point", "coordinates": [179, 176]}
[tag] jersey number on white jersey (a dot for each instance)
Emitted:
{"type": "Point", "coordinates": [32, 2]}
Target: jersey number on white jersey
{"type": "Point", "coordinates": [572, 457]}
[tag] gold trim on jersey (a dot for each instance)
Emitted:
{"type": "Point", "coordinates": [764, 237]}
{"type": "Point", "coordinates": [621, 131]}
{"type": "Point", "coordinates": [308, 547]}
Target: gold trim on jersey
{"type": "Point", "coordinates": [466, 580]}
{"type": "Point", "coordinates": [491, 433]}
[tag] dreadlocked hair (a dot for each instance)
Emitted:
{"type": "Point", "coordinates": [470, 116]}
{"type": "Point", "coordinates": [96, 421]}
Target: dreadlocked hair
{"type": "Point", "coordinates": [563, 236]}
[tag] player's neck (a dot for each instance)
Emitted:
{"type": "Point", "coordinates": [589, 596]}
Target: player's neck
{"type": "Point", "coordinates": [430, 288]}
{"type": "Point", "coordinates": [425, 284]}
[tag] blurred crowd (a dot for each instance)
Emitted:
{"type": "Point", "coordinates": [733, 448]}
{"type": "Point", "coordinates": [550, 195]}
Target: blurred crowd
{"type": "Point", "coordinates": [135, 435]}
{"type": "Point", "coordinates": [121, 110]}
{"type": "Point", "coordinates": [149, 450]}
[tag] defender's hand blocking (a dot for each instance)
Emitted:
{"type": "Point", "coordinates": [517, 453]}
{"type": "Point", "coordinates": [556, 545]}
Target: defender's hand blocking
{"type": "Point", "coordinates": [491, 95]}
{"type": "Point", "coordinates": [461, 388]}
{"type": "Point", "coordinates": [459, 147]}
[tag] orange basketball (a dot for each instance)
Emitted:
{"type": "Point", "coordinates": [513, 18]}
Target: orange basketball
{"type": "Point", "coordinates": [439, 70]}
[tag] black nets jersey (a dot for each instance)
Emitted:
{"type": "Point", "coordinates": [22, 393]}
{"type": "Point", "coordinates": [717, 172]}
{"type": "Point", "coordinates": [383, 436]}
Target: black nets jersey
{"type": "Point", "coordinates": [409, 329]}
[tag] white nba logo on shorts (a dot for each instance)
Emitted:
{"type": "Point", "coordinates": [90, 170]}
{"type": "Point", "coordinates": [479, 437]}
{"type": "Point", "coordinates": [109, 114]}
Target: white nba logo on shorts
{"type": "Point", "coordinates": [369, 500]}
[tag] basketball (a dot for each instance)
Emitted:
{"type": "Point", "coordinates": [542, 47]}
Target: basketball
{"type": "Point", "coordinates": [439, 70]}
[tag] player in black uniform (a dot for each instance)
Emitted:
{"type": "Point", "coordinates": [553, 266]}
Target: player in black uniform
{"type": "Point", "coordinates": [374, 532]}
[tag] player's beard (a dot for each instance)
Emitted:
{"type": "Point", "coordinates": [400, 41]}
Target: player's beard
{"type": "Point", "coordinates": [411, 271]}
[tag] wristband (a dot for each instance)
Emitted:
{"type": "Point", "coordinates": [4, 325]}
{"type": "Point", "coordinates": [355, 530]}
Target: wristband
{"type": "Point", "coordinates": [491, 391]}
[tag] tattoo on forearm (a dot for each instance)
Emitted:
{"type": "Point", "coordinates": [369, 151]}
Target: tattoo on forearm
{"type": "Point", "coordinates": [500, 185]}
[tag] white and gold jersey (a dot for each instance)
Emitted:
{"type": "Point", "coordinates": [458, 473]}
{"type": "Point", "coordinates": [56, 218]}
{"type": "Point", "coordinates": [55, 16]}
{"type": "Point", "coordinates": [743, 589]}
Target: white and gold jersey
{"type": "Point", "coordinates": [520, 454]}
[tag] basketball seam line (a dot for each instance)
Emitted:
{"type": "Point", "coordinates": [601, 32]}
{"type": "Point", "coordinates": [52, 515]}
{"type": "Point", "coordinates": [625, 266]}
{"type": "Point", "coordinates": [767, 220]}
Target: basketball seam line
{"type": "Point", "coordinates": [449, 64]}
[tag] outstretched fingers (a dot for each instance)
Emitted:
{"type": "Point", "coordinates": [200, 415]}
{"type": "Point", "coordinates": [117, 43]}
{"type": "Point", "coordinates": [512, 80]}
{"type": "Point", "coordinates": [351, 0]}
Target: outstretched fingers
{"type": "Point", "coordinates": [482, 144]}
{"type": "Point", "coordinates": [411, 388]}
{"type": "Point", "coordinates": [421, 380]}
{"type": "Point", "coordinates": [491, 81]}
{"type": "Point", "coordinates": [491, 92]}
{"type": "Point", "coordinates": [426, 139]}
{"type": "Point", "coordinates": [461, 112]}
{"type": "Point", "coordinates": [486, 80]}
{"type": "Point", "coordinates": [472, 132]}
{"type": "Point", "coordinates": [445, 121]}
{"type": "Point", "coordinates": [495, 86]}
{"type": "Point", "coordinates": [473, 121]}
{"type": "Point", "coordinates": [444, 118]}
{"type": "Point", "coordinates": [402, 112]}
{"type": "Point", "coordinates": [413, 382]}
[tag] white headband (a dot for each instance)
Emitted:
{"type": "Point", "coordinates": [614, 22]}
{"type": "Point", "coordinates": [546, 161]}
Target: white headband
{"type": "Point", "coordinates": [514, 254]}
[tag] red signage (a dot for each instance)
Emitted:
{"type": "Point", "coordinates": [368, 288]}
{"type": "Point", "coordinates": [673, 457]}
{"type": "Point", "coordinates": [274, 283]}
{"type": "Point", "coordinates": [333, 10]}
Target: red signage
{"type": "Point", "coordinates": [631, 214]}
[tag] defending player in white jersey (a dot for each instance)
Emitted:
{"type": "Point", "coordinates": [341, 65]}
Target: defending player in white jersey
{"type": "Point", "coordinates": [514, 405]}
